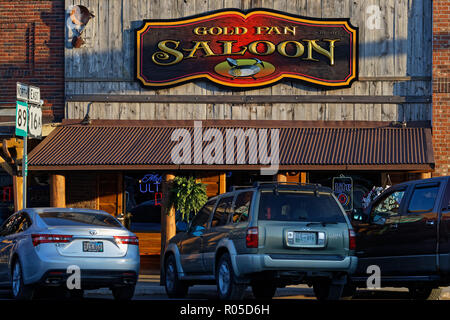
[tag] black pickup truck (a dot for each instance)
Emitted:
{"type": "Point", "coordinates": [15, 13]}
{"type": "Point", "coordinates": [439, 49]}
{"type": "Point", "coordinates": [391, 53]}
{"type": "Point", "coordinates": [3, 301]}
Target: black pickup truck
{"type": "Point", "coordinates": [406, 233]}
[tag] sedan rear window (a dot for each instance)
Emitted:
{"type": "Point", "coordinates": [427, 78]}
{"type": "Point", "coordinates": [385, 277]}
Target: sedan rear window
{"type": "Point", "coordinates": [56, 219]}
{"type": "Point", "coordinates": [299, 206]}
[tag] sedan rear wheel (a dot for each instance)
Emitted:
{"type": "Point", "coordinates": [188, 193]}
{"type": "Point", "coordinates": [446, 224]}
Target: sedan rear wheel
{"type": "Point", "coordinates": [20, 291]}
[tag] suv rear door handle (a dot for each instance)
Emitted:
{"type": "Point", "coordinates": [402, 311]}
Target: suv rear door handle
{"type": "Point", "coordinates": [394, 226]}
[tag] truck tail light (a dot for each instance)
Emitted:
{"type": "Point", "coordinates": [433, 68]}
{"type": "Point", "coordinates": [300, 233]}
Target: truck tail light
{"type": "Point", "coordinates": [127, 240]}
{"type": "Point", "coordinates": [50, 238]}
{"type": "Point", "coordinates": [352, 239]}
{"type": "Point", "coordinates": [252, 237]}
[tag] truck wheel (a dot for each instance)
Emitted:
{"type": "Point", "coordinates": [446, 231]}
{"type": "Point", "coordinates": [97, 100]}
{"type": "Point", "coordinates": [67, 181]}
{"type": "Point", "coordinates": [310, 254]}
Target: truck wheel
{"type": "Point", "coordinates": [175, 288]}
{"type": "Point", "coordinates": [227, 288]}
{"type": "Point", "coordinates": [424, 293]}
{"type": "Point", "coordinates": [324, 290]}
{"type": "Point", "coordinates": [263, 290]}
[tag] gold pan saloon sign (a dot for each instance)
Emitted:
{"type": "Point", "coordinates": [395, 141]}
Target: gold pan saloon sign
{"type": "Point", "coordinates": [252, 49]}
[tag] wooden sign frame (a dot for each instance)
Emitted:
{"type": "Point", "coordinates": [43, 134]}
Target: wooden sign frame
{"type": "Point", "coordinates": [247, 49]}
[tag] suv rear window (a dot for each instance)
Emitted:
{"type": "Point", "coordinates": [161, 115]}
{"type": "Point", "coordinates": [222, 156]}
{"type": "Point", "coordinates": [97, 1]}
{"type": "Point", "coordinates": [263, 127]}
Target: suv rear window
{"type": "Point", "coordinates": [299, 206]}
{"type": "Point", "coordinates": [63, 219]}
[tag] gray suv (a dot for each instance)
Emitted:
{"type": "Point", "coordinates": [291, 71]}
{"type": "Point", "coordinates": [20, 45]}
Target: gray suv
{"type": "Point", "coordinates": [266, 236]}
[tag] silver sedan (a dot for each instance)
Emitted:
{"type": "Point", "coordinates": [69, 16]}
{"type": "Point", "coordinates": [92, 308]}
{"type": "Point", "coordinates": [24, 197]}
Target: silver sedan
{"type": "Point", "coordinates": [74, 249]}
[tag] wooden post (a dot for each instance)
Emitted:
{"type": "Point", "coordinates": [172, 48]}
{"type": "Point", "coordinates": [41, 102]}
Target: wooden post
{"type": "Point", "coordinates": [57, 190]}
{"type": "Point", "coordinates": [222, 183]}
{"type": "Point", "coordinates": [18, 196]}
{"type": "Point", "coordinates": [281, 177]}
{"type": "Point", "coordinates": [168, 227]}
{"type": "Point", "coordinates": [303, 177]}
{"type": "Point", "coordinates": [119, 207]}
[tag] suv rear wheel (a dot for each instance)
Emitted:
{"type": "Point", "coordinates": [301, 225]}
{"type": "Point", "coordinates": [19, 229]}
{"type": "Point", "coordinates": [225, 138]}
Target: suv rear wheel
{"type": "Point", "coordinates": [263, 290]}
{"type": "Point", "coordinates": [325, 290]}
{"type": "Point", "coordinates": [227, 288]}
{"type": "Point", "coordinates": [175, 288]}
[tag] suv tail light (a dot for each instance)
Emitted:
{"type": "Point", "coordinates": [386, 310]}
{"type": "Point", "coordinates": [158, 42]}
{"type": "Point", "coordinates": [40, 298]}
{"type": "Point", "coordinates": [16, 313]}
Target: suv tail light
{"type": "Point", "coordinates": [352, 239]}
{"type": "Point", "coordinates": [50, 238]}
{"type": "Point", "coordinates": [127, 240]}
{"type": "Point", "coordinates": [251, 238]}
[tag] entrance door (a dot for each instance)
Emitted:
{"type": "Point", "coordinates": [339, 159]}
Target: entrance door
{"type": "Point", "coordinates": [109, 193]}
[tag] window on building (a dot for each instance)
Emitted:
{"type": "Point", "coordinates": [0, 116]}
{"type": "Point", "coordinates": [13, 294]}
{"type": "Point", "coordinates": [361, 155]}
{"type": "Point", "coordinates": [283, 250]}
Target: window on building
{"type": "Point", "coordinates": [6, 196]}
{"type": "Point", "coordinates": [143, 196]}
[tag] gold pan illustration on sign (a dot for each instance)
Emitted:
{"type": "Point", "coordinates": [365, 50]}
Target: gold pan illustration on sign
{"type": "Point", "coordinates": [244, 68]}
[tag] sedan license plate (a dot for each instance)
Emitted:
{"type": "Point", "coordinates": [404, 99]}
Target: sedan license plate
{"type": "Point", "coordinates": [305, 238]}
{"type": "Point", "coordinates": [92, 246]}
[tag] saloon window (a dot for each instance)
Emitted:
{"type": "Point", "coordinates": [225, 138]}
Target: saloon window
{"type": "Point", "coordinates": [143, 195]}
{"type": "Point", "coordinates": [423, 199]}
{"type": "Point", "coordinates": [222, 212]}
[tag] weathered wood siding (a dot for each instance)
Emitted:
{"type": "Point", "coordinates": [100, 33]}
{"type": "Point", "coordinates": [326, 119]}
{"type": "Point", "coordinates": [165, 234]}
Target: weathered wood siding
{"type": "Point", "coordinates": [394, 59]}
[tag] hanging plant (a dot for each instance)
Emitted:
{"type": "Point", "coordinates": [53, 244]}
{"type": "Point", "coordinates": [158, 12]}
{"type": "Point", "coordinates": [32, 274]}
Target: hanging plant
{"type": "Point", "coordinates": [187, 196]}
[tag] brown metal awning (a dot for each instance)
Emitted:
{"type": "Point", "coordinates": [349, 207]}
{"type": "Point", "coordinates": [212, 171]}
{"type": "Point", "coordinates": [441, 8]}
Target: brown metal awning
{"type": "Point", "coordinates": [316, 145]}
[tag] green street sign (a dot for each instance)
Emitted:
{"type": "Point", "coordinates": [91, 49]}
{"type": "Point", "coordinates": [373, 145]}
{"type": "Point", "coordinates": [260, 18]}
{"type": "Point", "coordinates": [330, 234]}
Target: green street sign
{"type": "Point", "coordinates": [21, 118]}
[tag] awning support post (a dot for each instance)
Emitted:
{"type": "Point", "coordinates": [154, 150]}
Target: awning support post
{"type": "Point", "coordinates": [168, 227]}
{"type": "Point", "coordinates": [57, 190]}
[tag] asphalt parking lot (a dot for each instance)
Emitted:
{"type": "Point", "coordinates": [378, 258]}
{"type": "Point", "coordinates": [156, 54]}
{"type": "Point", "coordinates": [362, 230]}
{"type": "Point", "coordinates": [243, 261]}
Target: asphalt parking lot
{"type": "Point", "coordinates": [148, 288]}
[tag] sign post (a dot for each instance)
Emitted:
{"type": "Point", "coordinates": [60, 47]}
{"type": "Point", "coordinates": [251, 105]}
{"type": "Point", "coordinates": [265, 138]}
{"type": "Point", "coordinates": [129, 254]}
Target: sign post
{"type": "Point", "coordinates": [28, 121]}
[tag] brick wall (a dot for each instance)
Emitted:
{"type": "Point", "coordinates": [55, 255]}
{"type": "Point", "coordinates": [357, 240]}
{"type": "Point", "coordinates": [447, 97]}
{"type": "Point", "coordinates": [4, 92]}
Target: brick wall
{"type": "Point", "coordinates": [441, 86]}
{"type": "Point", "coordinates": [32, 51]}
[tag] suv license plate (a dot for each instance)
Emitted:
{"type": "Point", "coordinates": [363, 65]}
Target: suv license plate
{"type": "Point", "coordinates": [305, 238]}
{"type": "Point", "coordinates": [92, 246]}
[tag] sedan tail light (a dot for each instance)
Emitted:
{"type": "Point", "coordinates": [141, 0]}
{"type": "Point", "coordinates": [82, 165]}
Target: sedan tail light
{"type": "Point", "coordinates": [50, 238]}
{"type": "Point", "coordinates": [352, 239]}
{"type": "Point", "coordinates": [127, 240]}
{"type": "Point", "coordinates": [251, 238]}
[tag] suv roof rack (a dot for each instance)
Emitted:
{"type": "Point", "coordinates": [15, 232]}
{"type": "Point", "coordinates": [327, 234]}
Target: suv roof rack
{"type": "Point", "coordinates": [276, 184]}
{"type": "Point", "coordinates": [317, 185]}
{"type": "Point", "coordinates": [234, 188]}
